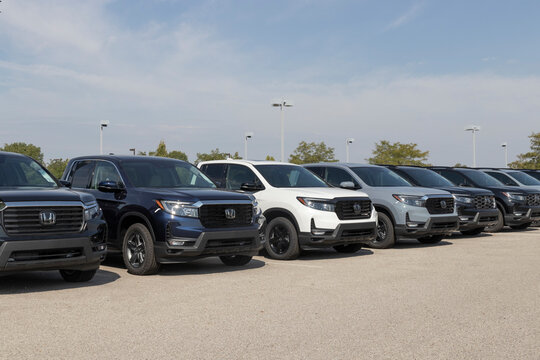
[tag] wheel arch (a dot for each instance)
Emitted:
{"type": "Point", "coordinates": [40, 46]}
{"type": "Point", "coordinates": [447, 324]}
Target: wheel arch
{"type": "Point", "coordinates": [273, 213]}
{"type": "Point", "coordinates": [383, 209]}
{"type": "Point", "coordinates": [130, 218]}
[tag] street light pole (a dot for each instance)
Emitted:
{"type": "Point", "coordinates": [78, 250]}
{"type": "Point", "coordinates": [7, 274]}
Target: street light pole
{"type": "Point", "coordinates": [505, 147]}
{"type": "Point", "coordinates": [282, 104]}
{"type": "Point", "coordinates": [473, 129]}
{"type": "Point", "coordinates": [102, 124]}
{"type": "Point", "coordinates": [347, 143]}
{"type": "Point", "coordinates": [247, 136]}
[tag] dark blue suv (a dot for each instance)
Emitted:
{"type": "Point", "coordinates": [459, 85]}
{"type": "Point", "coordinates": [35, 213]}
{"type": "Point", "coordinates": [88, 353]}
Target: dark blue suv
{"type": "Point", "coordinates": [162, 211]}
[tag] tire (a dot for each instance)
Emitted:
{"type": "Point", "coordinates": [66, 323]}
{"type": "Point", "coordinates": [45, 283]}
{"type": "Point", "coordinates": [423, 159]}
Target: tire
{"type": "Point", "coordinates": [235, 260]}
{"type": "Point", "coordinates": [433, 239]}
{"type": "Point", "coordinates": [77, 275]}
{"type": "Point", "coordinates": [521, 227]}
{"type": "Point", "coordinates": [348, 249]}
{"type": "Point", "coordinates": [473, 231]}
{"type": "Point", "coordinates": [282, 239]}
{"type": "Point", "coordinates": [138, 251]}
{"type": "Point", "coordinates": [385, 233]}
{"type": "Point", "coordinates": [498, 226]}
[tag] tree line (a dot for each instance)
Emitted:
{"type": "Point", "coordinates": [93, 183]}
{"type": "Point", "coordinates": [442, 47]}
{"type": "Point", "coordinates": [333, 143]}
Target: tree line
{"type": "Point", "coordinates": [384, 153]}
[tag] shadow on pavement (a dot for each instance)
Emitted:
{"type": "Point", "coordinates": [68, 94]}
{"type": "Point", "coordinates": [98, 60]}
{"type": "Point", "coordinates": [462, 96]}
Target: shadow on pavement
{"type": "Point", "coordinates": [324, 254]}
{"type": "Point", "coordinates": [41, 281]}
{"type": "Point", "coordinates": [413, 244]}
{"type": "Point", "coordinates": [458, 235]}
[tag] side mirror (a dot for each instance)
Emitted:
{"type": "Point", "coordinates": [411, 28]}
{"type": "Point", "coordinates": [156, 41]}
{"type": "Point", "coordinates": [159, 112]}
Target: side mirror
{"type": "Point", "coordinates": [65, 183]}
{"type": "Point", "coordinates": [218, 184]}
{"type": "Point", "coordinates": [348, 185]}
{"type": "Point", "coordinates": [251, 187]}
{"type": "Point", "coordinates": [110, 186]}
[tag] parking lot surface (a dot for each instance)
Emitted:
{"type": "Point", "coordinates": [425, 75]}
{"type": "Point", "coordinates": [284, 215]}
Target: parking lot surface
{"type": "Point", "coordinates": [465, 298]}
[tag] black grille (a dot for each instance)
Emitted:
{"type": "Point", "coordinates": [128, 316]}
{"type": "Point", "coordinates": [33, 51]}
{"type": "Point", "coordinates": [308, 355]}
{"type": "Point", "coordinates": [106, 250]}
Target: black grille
{"type": "Point", "coordinates": [440, 205]}
{"type": "Point", "coordinates": [47, 254]}
{"type": "Point", "coordinates": [223, 243]}
{"type": "Point", "coordinates": [26, 220]}
{"type": "Point", "coordinates": [348, 234]}
{"type": "Point", "coordinates": [353, 209]}
{"type": "Point", "coordinates": [533, 199]}
{"type": "Point", "coordinates": [213, 216]}
{"type": "Point", "coordinates": [444, 225]}
{"type": "Point", "coordinates": [484, 202]}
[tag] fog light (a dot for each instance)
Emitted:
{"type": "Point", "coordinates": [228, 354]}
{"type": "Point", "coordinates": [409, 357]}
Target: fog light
{"type": "Point", "coordinates": [101, 247]}
{"type": "Point", "coordinates": [464, 218]}
{"type": "Point", "coordinates": [412, 225]}
{"type": "Point", "coordinates": [176, 242]}
{"type": "Point", "coordinates": [318, 232]}
{"type": "Point", "coordinates": [519, 214]}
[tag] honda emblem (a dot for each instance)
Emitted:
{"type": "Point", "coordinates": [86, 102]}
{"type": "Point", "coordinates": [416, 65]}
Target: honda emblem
{"type": "Point", "coordinates": [47, 217]}
{"type": "Point", "coordinates": [230, 214]}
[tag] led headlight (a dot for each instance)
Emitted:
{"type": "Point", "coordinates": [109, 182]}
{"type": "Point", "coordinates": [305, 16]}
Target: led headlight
{"type": "Point", "coordinates": [515, 196]}
{"type": "Point", "coordinates": [317, 204]}
{"type": "Point", "coordinates": [256, 208]}
{"type": "Point", "coordinates": [91, 211]}
{"type": "Point", "coordinates": [463, 199]}
{"type": "Point", "coordinates": [178, 208]}
{"type": "Point", "coordinates": [413, 200]}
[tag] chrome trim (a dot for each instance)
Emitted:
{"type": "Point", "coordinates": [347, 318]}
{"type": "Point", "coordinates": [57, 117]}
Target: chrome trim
{"type": "Point", "coordinates": [48, 203]}
{"type": "Point", "coordinates": [199, 203]}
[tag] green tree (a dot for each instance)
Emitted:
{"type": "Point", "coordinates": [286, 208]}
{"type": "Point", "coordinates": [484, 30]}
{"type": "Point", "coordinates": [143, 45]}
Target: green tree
{"type": "Point", "coordinates": [141, 153]}
{"type": "Point", "coordinates": [162, 152]}
{"type": "Point", "coordinates": [57, 167]}
{"type": "Point", "coordinates": [177, 154]}
{"type": "Point", "coordinates": [460, 165]}
{"type": "Point", "coordinates": [26, 149]}
{"type": "Point", "coordinates": [531, 159]}
{"type": "Point", "coordinates": [312, 153]}
{"type": "Point", "coordinates": [216, 155]}
{"type": "Point", "coordinates": [270, 158]}
{"type": "Point", "coordinates": [387, 153]}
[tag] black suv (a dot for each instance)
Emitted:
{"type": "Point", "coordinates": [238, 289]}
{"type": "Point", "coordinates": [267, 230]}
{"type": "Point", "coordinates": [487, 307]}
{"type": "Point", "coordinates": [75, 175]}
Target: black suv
{"type": "Point", "coordinates": [516, 206]}
{"type": "Point", "coordinates": [45, 226]}
{"type": "Point", "coordinates": [476, 207]}
{"type": "Point", "coordinates": [162, 211]}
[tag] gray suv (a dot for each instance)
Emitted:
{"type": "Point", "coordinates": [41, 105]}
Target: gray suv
{"type": "Point", "coordinates": [404, 210]}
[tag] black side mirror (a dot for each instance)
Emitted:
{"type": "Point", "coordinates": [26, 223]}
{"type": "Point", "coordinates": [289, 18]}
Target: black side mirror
{"type": "Point", "coordinates": [65, 183]}
{"type": "Point", "coordinates": [110, 186]}
{"type": "Point", "coordinates": [348, 185]}
{"type": "Point", "coordinates": [251, 187]}
{"type": "Point", "coordinates": [218, 184]}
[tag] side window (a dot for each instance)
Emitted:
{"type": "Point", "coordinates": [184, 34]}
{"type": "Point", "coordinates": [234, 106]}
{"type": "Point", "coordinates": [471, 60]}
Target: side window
{"type": "Point", "coordinates": [335, 176]}
{"type": "Point", "coordinates": [317, 170]}
{"type": "Point", "coordinates": [104, 171]}
{"type": "Point", "coordinates": [215, 172]}
{"type": "Point", "coordinates": [505, 179]}
{"type": "Point", "coordinates": [81, 173]}
{"type": "Point", "coordinates": [238, 175]}
{"type": "Point", "coordinates": [454, 177]}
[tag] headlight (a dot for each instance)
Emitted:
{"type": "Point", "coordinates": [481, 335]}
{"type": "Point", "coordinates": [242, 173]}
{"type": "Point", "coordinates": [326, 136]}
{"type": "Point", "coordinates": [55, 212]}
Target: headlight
{"type": "Point", "coordinates": [317, 204]}
{"type": "Point", "coordinates": [515, 196]}
{"type": "Point", "coordinates": [463, 199]}
{"type": "Point", "coordinates": [413, 200]}
{"type": "Point", "coordinates": [256, 209]}
{"type": "Point", "coordinates": [92, 212]}
{"type": "Point", "coordinates": [178, 208]}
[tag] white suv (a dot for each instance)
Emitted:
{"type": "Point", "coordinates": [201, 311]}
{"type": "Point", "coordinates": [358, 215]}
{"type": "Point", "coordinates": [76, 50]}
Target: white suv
{"type": "Point", "coordinates": [302, 211]}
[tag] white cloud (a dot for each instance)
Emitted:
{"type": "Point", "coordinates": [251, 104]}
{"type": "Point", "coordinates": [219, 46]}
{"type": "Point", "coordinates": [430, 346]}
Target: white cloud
{"type": "Point", "coordinates": [406, 17]}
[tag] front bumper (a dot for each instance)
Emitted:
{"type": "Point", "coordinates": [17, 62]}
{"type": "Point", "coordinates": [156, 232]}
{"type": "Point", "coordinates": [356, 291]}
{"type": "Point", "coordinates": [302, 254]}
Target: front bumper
{"type": "Point", "coordinates": [440, 225]}
{"type": "Point", "coordinates": [471, 218]}
{"type": "Point", "coordinates": [83, 251]}
{"type": "Point", "coordinates": [521, 215]}
{"type": "Point", "coordinates": [355, 233]}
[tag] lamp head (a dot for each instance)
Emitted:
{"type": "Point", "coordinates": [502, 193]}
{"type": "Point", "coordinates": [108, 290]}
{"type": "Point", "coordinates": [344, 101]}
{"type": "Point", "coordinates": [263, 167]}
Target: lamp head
{"type": "Point", "coordinates": [104, 123]}
{"type": "Point", "coordinates": [350, 140]}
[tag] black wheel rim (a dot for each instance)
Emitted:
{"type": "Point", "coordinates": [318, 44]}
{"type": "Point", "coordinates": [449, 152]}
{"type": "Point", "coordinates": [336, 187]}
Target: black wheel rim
{"type": "Point", "coordinates": [382, 231]}
{"type": "Point", "coordinates": [136, 250]}
{"type": "Point", "coordinates": [279, 239]}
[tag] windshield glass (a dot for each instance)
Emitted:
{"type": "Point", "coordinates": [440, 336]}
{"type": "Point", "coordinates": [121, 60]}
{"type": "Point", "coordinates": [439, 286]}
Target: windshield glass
{"type": "Point", "coordinates": [379, 177]}
{"type": "Point", "coordinates": [524, 178]}
{"type": "Point", "coordinates": [535, 175]}
{"type": "Point", "coordinates": [165, 174]}
{"type": "Point", "coordinates": [289, 176]}
{"type": "Point", "coordinates": [18, 171]}
{"type": "Point", "coordinates": [482, 179]}
{"type": "Point", "coordinates": [427, 178]}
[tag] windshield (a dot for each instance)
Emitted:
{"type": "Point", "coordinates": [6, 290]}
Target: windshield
{"type": "Point", "coordinates": [165, 174]}
{"type": "Point", "coordinates": [289, 176]}
{"type": "Point", "coordinates": [18, 171]}
{"type": "Point", "coordinates": [427, 178]}
{"type": "Point", "coordinates": [379, 177]}
{"type": "Point", "coordinates": [535, 175]}
{"type": "Point", "coordinates": [481, 178]}
{"type": "Point", "coordinates": [523, 178]}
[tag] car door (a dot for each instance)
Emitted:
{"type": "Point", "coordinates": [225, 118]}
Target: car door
{"type": "Point", "coordinates": [335, 176]}
{"type": "Point", "coordinates": [237, 175]}
{"type": "Point", "coordinates": [216, 173]}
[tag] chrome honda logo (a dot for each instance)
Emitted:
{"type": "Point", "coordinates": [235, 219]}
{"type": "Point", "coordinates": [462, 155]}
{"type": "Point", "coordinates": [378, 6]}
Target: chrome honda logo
{"type": "Point", "coordinates": [357, 208]}
{"type": "Point", "coordinates": [230, 214]}
{"type": "Point", "coordinates": [47, 217]}
{"type": "Point", "coordinates": [443, 204]}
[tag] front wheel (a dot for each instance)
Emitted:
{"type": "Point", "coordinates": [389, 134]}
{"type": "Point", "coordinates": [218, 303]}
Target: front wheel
{"type": "Point", "coordinates": [433, 239]}
{"type": "Point", "coordinates": [521, 227]}
{"type": "Point", "coordinates": [499, 225]}
{"type": "Point", "coordinates": [282, 239]}
{"type": "Point", "coordinates": [385, 233]}
{"type": "Point", "coordinates": [473, 231]}
{"type": "Point", "coordinates": [138, 251]}
{"type": "Point", "coordinates": [77, 275]}
{"type": "Point", "coordinates": [235, 260]}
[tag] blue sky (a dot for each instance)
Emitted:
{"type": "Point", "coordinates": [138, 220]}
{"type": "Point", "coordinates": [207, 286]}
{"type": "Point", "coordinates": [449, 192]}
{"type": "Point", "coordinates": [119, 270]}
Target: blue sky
{"type": "Point", "coordinates": [199, 74]}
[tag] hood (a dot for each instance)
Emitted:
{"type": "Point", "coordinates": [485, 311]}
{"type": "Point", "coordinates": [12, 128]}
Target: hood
{"type": "Point", "coordinates": [514, 189]}
{"type": "Point", "coordinates": [57, 194]}
{"type": "Point", "coordinates": [194, 195]}
{"type": "Point", "coordinates": [324, 193]}
{"type": "Point", "coordinates": [461, 190]}
{"type": "Point", "coordinates": [407, 190]}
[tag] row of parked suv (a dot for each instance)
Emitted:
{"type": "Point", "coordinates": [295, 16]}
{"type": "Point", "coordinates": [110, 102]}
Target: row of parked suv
{"type": "Point", "coordinates": [156, 211]}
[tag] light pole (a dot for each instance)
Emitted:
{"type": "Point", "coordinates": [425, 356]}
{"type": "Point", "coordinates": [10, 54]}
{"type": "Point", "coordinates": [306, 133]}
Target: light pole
{"type": "Point", "coordinates": [247, 136]}
{"type": "Point", "coordinates": [102, 124]}
{"type": "Point", "coordinates": [505, 147]}
{"type": "Point", "coordinates": [132, 150]}
{"type": "Point", "coordinates": [347, 143]}
{"type": "Point", "coordinates": [282, 104]}
{"type": "Point", "coordinates": [473, 129]}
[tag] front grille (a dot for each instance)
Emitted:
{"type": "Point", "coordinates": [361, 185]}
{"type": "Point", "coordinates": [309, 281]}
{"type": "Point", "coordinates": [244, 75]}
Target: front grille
{"type": "Point", "coordinates": [484, 219]}
{"type": "Point", "coordinates": [440, 205]}
{"type": "Point", "coordinates": [444, 225]}
{"type": "Point", "coordinates": [347, 234]}
{"type": "Point", "coordinates": [224, 243]}
{"type": "Point", "coordinates": [533, 199]}
{"type": "Point", "coordinates": [484, 202]}
{"type": "Point", "coordinates": [353, 209]}
{"type": "Point", "coordinates": [48, 254]}
{"type": "Point", "coordinates": [213, 216]}
{"type": "Point", "coordinates": [26, 220]}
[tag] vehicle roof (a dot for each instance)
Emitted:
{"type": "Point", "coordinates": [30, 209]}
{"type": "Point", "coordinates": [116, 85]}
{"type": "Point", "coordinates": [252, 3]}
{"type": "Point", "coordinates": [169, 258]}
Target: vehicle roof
{"type": "Point", "coordinates": [345, 164]}
{"type": "Point", "coordinates": [122, 157]}
{"type": "Point", "coordinates": [7, 153]}
{"type": "Point", "coordinates": [252, 162]}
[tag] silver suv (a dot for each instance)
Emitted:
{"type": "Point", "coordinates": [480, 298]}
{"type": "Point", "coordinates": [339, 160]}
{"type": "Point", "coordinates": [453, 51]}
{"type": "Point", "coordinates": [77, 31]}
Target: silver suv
{"type": "Point", "coordinates": [404, 210]}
